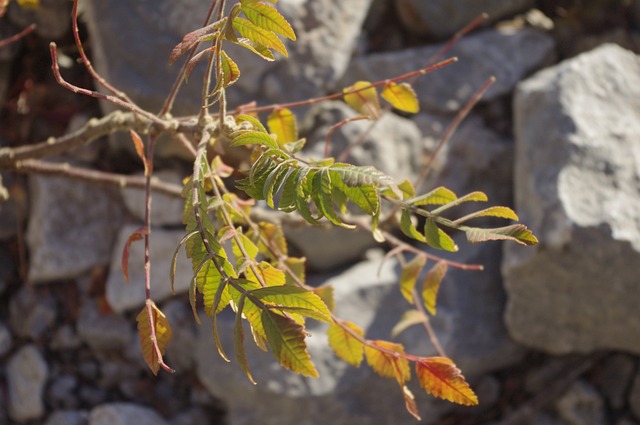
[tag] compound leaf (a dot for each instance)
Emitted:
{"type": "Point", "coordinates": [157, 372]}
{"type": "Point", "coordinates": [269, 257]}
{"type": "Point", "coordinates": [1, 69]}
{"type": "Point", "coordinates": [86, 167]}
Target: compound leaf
{"type": "Point", "coordinates": [344, 344]}
{"type": "Point", "coordinates": [440, 377]}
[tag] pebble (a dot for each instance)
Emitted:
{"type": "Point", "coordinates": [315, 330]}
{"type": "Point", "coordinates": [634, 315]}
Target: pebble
{"type": "Point", "coordinates": [27, 374]}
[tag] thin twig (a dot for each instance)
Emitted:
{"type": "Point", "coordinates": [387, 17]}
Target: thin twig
{"type": "Point", "coordinates": [28, 30]}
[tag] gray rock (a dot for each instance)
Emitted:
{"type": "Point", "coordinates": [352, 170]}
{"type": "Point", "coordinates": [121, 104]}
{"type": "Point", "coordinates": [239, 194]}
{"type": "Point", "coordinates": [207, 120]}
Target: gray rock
{"type": "Point", "coordinates": [61, 392]}
{"type": "Point", "coordinates": [576, 187]}
{"type": "Point", "coordinates": [27, 374]}
{"type": "Point", "coordinates": [634, 396]}
{"type": "Point", "coordinates": [72, 227]}
{"type": "Point", "coordinates": [180, 353]}
{"type": "Point", "coordinates": [614, 379]}
{"type": "Point", "coordinates": [65, 338]}
{"type": "Point", "coordinates": [124, 414]}
{"type": "Point", "coordinates": [103, 332]}
{"type": "Point", "coordinates": [470, 331]}
{"type": "Point", "coordinates": [124, 296]}
{"type": "Point", "coordinates": [509, 55]}
{"type": "Point", "coordinates": [442, 18]}
{"type": "Point", "coordinates": [581, 405]}
{"type": "Point", "coordinates": [5, 340]}
{"type": "Point", "coordinates": [32, 312]}
{"type": "Point", "coordinates": [68, 417]}
{"type": "Point", "coordinates": [165, 210]}
{"type": "Point", "coordinates": [52, 18]}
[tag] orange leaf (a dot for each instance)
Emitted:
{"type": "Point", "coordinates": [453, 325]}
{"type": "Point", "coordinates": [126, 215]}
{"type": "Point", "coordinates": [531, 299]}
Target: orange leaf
{"type": "Point", "coordinates": [135, 236]}
{"type": "Point", "coordinates": [385, 359]}
{"type": "Point", "coordinates": [153, 354]}
{"type": "Point", "coordinates": [441, 378]}
{"type": "Point", "coordinates": [410, 402]}
{"type": "Point", "coordinates": [431, 285]}
{"type": "Point", "coordinates": [137, 141]}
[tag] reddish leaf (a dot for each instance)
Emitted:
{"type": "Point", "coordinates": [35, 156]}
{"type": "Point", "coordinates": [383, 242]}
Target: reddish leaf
{"type": "Point", "coordinates": [137, 141]}
{"type": "Point", "coordinates": [135, 236]}
{"type": "Point", "coordinates": [410, 402]}
{"type": "Point", "coordinates": [441, 378]}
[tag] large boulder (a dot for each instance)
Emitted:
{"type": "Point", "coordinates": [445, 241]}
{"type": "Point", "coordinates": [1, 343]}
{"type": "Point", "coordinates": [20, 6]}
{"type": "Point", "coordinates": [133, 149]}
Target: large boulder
{"type": "Point", "coordinates": [577, 170]}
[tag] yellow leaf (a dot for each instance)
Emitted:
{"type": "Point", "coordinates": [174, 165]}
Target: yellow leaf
{"type": "Point", "coordinates": [230, 70]}
{"type": "Point", "coordinates": [259, 35]}
{"type": "Point", "coordinates": [283, 124]}
{"type": "Point", "coordinates": [440, 377]}
{"type": "Point", "coordinates": [286, 339]}
{"type": "Point", "coordinates": [384, 359]}
{"type": "Point", "coordinates": [408, 319]}
{"type": "Point", "coordinates": [363, 98]}
{"type": "Point", "coordinates": [401, 97]}
{"type": "Point", "coordinates": [345, 345]}
{"type": "Point", "coordinates": [409, 276]}
{"type": "Point", "coordinates": [162, 335]}
{"type": "Point", "coordinates": [269, 274]}
{"type": "Point", "coordinates": [29, 4]}
{"type": "Point", "coordinates": [431, 285]}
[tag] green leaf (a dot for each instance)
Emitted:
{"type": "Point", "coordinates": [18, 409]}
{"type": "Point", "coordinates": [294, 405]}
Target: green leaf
{"type": "Point", "coordinates": [363, 196]}
{"type": "Point", "coordinates": [431, 285]}
{"type": "Point", "coordinates": [253, 138]}
{"type": "Point", "coordinates": [363, 98]}
{"type": "Point", "coordinates": [409, 276]}
{"type": "Point", "coordinates": [275, 180]}
{"type": "Point", "coordinates": [437, 238]}
{"type": "Point", "coordinates": [345, 345]}
{"type": "Point", "coordinates": [517, 232]}
{"type": "Point", "coordinates": [296, 300]}
{"type": "Point", "coordinates": [326, 293]}
{"type": "Point", "coordinates": [288, 196]}
{"type": "Point", "coordinates": [259, 35]}
{"type": "Point", "coordinates": [208, 282]}
{"type": "Point", "coordinates": [297, 267]}
{"type": "Point", "coordinates": [257, 125]}
{"type": "Point", "coordinates": [470, 197]}
{"type": "Point", "coordinates": [247, 245]}
{"type": "Point", "coordinates": [407, 227]}
{"type": "Point", "coordinates": [286, 339]}
{"type": "Point", "coordinates": [401, 97]}
{"type": "Point", "coordinates": [408, 319]}
{"type": "Point", "coordinates": [501, 212]}
{"type": "Point", "coordinates": [238, 342]}
{"type": "Point", "coordinates": [282, 123]}
{"type": "Point", "coordinates": [438, 196]}
{"type": "Point", "coordinates": [321, 195]}
{"type": "Point", "coordinates": [269, 18]}
{"type": "Point", "coordinates": [257, 48]}
{"type": "Point", "coordinates": [230, 70]}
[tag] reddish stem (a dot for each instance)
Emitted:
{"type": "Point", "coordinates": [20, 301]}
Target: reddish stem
{"type": "Point", "coordinates": [28, 30]}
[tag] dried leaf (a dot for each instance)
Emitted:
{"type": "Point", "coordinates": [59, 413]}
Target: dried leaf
{"type": "Point", "coordinates": [135, 236]}
{"type": "Point", "coordinates": [163, 333]}
{"type": "Point", "coordinates": [137, 141]}
{"type": "Point", "coordinates": [410, 402]}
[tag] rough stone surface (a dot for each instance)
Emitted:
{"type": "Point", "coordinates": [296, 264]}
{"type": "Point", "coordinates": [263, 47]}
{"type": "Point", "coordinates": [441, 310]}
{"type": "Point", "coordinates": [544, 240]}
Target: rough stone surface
{"type": "Point", "coordinates": [165, 210]}
{"type": "Point", "coordinates": [180, 352]}
{"type": "Point", "coordinates": [32, 313]}
{"type": "Point", "coordinates": [442, 18]}
{"type": "Point", "coordinates": [103, 332]}
{"type": "Point", "coordinates": [124, 296]}
{"type": "Point", "coordinates": [26, 376]}
{"type": "Point", "coordinates": [576, 186]}
{"type": "Point", "coordinates": [509, 55]}
{"type": "Point", "coordinates": [581, 405]}
{"type": "Point", "coordinates": [72, 226]}
{"type": "Point", "coordinates": [124, 414]}
{"type": "Point", "coordinates": [142, 39]}
{"type": "Point", "coordinates": [634, 395]}
{"type": "Point", "coordinates": [68, 417]}
{"type": "Point", "coordinates": [345, 395]}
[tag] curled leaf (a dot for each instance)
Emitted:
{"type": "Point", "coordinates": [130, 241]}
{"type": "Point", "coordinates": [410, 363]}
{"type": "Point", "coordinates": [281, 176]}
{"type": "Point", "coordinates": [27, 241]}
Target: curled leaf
{"type": "Point", "coordinates": [153, 328]}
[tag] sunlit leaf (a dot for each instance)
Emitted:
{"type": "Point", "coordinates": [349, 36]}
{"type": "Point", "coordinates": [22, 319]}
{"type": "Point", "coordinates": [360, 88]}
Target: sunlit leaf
{"type": "Point", "coordinates": [407, 227]}
{"type": "Point", "coordinates": [257, 125]}
{"type": "Point", "coordinates": [437, 238]}
{"type": "Point", "coordinates": [410, 273]}
{"type": "Point", "coordinates": [257, 48]}
{"type": "Point", "coordinates": [274, 240]}
{"type": "Point", "coordinates": [326, 293]}
{"type": "Point", "coordinates": [501, 212]}
{"type": "Point", "coordinates": [230, 70]}
{"type": "Point", "coordinates": [282, 123]}
{"type": "Point", "coordinates": [363, 98]}
{"type": "Point", "coordinates": [438, 196]}
{"type": "Point", "coordinates": [265, 272]}
{"type": "Point", "coordinates": [253, 138]}
{"type": "Point", "coordinates": [440, 377]}
{"type": "Point", "coordinates": [402, 97]}
{"type": "Point", "coordinates": [259, 35]}
{"type": "Point", "coordinates": [269, 18]}
{"type": "Point", "coordinates": [163, 333]}
{"type": "Point", "coordinates": [384, 360]}
{"type": "Point", "coordinates": [295, 300]}
{"type": "Point", "coordinates": [516, 232]}
{"type": "Point", "coordinates": [408, 319]}
{"type": "Point", "coordinates": [346, 346]}
{"type": "Point", "coordinates": [431, 285]}
{"type": "Point", "coordinates": [469, 197]}
{"type": "Point", "coordinates": [286, 339]}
